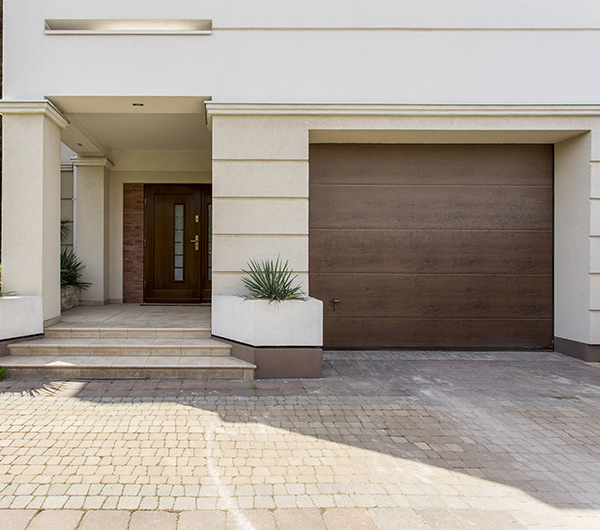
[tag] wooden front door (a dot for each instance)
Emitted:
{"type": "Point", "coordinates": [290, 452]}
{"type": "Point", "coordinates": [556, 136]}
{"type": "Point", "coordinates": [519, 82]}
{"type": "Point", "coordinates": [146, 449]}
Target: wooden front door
{"type": "Point", "coordinates": [177, 243]}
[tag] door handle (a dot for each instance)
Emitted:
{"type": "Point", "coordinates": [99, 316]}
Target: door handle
{"type": "Point", "coordinates": [335, 302]}
{"type": "Point", "coordinates": [196, 242]}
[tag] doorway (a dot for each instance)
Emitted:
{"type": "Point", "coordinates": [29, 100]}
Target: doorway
{"type": "Point", "coordinates": [177, 243]}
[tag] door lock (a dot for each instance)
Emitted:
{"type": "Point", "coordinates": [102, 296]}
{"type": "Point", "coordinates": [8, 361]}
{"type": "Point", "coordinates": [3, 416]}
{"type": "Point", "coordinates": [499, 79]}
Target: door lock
{"type": "Point", "coordinates": [335, 302]}
{"type": "Point", "coordinates": [196, 242]}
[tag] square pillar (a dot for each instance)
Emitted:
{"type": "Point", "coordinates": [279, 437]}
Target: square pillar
{"type": "Point", "coordinates": [91, 221]}
{"type": "Point", "coordinates": [31, 202]}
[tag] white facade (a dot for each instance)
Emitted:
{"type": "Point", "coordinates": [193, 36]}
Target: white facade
{"type": "Point", "coordinates": [238, 103]}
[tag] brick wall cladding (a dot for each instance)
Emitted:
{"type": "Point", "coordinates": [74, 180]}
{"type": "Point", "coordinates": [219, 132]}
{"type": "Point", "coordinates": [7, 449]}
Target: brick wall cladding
{"type": "Point", "coordinates": [133, 243]}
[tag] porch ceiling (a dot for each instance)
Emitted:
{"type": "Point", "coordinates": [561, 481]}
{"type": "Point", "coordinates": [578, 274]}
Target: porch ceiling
{"type": "Point", "coordinates": [100, 125]}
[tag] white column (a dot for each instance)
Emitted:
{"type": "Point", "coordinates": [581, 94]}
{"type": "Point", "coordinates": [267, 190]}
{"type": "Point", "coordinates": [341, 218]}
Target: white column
{"type": "Point", "coordinates": [92, 219]}
{"type": "Point", "coordinates": [31, 202]}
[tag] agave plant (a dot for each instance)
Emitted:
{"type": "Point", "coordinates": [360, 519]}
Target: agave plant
{"type": "Point", "coordinates": [271, 280]}
{"type": "Point", "coordinates": [71, 270]}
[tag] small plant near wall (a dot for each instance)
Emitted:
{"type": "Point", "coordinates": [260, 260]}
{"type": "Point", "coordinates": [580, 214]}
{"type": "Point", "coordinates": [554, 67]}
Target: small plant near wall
{"type": "Point", "coordinates": [272, 280]}
{"type": "Point", "coordinates": [71, 270]}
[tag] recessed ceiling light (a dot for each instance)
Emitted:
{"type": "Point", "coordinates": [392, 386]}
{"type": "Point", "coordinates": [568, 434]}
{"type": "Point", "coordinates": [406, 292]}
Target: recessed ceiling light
{"type": "Point", "coordinates": [138, 104]}
{"type": "Point", "coordinates": [80, 145]}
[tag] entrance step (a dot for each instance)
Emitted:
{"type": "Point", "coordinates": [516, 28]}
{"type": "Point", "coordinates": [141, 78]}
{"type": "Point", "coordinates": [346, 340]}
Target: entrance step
{"type": "Point", "coordinates": [126, 367]}
{"type": "Point", "coordinates": [125, 352]}
{"type": "Point", "coordinates": [62, 332]}
{"type": "Point", "coordinates": [121, 347]}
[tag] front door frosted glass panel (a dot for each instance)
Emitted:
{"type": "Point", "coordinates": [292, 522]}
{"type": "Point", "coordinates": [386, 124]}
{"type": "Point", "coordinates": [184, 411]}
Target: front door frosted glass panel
{"type": "Point", "coordinates": [178, 246]}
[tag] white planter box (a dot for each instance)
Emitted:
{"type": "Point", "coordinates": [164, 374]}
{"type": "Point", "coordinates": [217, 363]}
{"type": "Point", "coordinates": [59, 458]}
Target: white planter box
{"type": "Point", "coordinates": [264, 323]}
{"type": "Point", "coordinates": [20, 316]}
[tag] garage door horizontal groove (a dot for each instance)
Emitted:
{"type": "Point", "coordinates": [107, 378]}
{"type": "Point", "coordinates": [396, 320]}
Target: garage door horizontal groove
{"type": "Point", "coordinates": [397, 229]}
{"type": "Point", "coordinates": [456, 319]}
{"type": "Point", "coordinates": [437, 186]}
{"type": "Point", "coordinates": [472, 275]}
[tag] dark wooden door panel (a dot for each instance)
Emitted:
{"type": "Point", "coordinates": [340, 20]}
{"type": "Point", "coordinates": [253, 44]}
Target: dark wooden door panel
{"type": "Point", "coordinates": [438, 333]}
{"type": "Point", "coordinates": [439, 296]}
{"type": "Point", "coordinates": [408, 164]}
{"type": "Point", "coordinates": [176, 236]}
{"type": "Point", "coordinates": [431, 207]}
{"type": "Point", "coordinates": [433, 251]}
{"type": "Point", "coordinates": [433, 246]}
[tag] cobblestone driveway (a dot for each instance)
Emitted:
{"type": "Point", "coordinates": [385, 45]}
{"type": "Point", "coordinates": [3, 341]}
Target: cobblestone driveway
{"type": "Point", "coordinates": [385, 441]}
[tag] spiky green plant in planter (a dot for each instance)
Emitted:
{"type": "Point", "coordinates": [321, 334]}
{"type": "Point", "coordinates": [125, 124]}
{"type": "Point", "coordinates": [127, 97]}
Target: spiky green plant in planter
{"type": "Point", "coordinates": [272, 280]}
{"type": "Point", "coordinates": [71, 270]}
{"type": "Point", "coordinates": [71, 285]}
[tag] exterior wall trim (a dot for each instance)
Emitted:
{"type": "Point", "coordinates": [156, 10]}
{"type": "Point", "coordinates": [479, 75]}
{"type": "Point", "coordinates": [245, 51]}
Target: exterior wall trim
{"type": "Point", "coordinates": [310, 109]}
{"type": "Point", "coordinates": [43, 107]}
{"type": "Point", "coordinates": [79, 161]}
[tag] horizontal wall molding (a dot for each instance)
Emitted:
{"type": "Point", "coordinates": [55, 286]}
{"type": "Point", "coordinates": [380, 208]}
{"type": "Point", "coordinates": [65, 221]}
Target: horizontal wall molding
{"type": "Point", "coordinates": [40, 107]}
{"type": "Point", "coordinates": [396, 110]}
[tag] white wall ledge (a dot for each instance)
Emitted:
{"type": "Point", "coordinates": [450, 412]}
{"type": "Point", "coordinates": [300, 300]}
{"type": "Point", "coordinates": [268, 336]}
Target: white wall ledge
{"type": "Point", "coordinates": [44, 107]}
{"type": "Point", "coordinates": [376, 109]}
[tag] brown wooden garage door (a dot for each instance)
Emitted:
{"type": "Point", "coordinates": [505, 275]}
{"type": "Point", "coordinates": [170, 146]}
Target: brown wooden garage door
{"type": "Point", "coordinates": [432, 246]}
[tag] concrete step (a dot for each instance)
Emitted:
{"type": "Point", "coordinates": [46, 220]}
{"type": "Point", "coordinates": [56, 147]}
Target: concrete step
{"type": "Point", "coordinates": [121, 347]}
{"type": "Point", "coordinates": [62, 331]}
{"type": "Point", "coordinates": [127, 367]}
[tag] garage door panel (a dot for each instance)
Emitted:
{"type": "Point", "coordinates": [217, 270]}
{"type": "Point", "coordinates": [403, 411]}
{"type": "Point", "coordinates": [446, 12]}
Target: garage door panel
{"type": "Point", "coordinates": [515, 165]}
{"type": "Point", "coordinates": [438, 296]}
{"type": "Point", "coordinates": [433, 246]}
{"type": "Point", "coordinates": [402, 251]}
{"type": "Point", "coordinates": [428, 207]}
{"type": "Point", "coordinates": [434, 333]}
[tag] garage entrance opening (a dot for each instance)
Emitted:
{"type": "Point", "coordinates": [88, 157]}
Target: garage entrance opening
{"type": "Point", "coordinates": [432, 246]}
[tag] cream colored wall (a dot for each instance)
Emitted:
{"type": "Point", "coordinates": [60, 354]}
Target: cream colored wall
{"type": "Point", "coordinates": [92, 219]}
{"type": "Point", "coordinates": [31, 209]}
{"type": "Point", "coordinates": [571, 236]}
{"type": "Point", "coordinates": [260, 183]}
{"type": "Point", "coordinates": [115, 233]}
{"type": "Point", "coordinates": [260, 196]}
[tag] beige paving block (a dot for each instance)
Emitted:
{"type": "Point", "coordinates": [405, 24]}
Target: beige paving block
{"type": "Point", "coordinates": [396, 519]}
{"type": "Point", "coordinates": [56, 520]}
{"type": "Point", "coordinates": [153, 521]}
{"type": "Point", "coordinates": [348, 519]}
{"type": "Point", "coordinates": [258, 519]}
{"type": "Point", "coordinates": [200, 519]}
{"type": "Point", "coordinates": [15, 519]}
{"type": "Point", "coordinates": [300, 519]}
{"type": "Point", "coordinates": [105, 520]}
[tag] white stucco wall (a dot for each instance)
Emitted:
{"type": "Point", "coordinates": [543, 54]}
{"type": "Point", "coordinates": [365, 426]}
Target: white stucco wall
{"type": "Point", "coordinates": [270, 145]}
{"type": "Point", "coordinates": [395, 51]}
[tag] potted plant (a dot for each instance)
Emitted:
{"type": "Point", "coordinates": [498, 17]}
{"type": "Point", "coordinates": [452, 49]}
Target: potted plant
{"type": "Point", "coordinates": [71, 270]}
{"type": "Point", "coordinates": [275, 312]}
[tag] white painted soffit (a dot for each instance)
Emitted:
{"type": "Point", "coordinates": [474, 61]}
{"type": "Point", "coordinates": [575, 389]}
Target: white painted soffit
{"type": "Point", "coordinates": [101, 124]}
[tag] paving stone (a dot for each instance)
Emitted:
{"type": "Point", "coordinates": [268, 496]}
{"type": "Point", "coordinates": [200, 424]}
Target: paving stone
{"type": "Point", "coordinates": [15, 519]}
{"type": "Point", "coordinates": [198, 520]}
{"type": "Point", "coordinates": [396, 519]}
{"type": "Point", "coordinates": [56, 520]}
{"type": "Point", "coordinates": [348, 519]}
{"type": "Point", "coordinates": [300, 519]}
{"type": "Point", "coordinates": [141, 520]}
{"type": "Point", "coordinates": [105, 520]}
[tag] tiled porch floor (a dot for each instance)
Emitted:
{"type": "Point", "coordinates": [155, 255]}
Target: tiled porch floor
{"type": "Point", "coordinates": [136, 316]}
